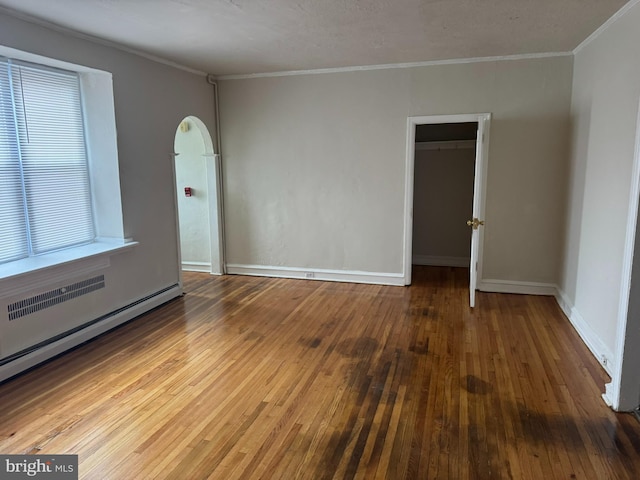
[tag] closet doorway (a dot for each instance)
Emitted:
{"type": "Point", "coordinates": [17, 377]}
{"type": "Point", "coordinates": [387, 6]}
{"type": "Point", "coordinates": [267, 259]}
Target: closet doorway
{"type": "Point", "coordinates": [444, 193]}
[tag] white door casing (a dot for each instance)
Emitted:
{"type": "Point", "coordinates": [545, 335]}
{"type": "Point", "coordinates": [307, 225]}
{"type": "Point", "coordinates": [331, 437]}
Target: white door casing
{"type": "Point", "coordinates": [623, 392]}
{"type": "Point", "coordinates": [480, 178]}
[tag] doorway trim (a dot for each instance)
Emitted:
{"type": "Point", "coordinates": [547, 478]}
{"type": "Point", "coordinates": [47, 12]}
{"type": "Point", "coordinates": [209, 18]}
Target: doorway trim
{"type": "Point", "coordinates": [412, 123]}
{"type": "Point", "coordinates": [623, 392]}
{"type": "Point", "coordinates": [213, 169]}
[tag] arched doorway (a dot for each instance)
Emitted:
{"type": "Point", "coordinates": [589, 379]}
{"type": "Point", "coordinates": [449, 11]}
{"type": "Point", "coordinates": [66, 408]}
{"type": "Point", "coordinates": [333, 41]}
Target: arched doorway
{"type": "Point", "coordinates": [198, 198]}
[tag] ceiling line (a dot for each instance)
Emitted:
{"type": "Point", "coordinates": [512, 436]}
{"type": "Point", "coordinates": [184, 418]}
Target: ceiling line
{"type": "Point", "coordinates": [390, 66]}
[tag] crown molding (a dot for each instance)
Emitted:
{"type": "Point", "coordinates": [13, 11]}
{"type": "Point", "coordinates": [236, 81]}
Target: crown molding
{"type": "Point", "coordinates": [391, 66]}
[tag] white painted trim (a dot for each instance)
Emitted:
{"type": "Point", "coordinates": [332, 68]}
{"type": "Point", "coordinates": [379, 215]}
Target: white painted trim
{"type": "Point", "coordinates": [173, 156]}
{"type": "Point", "coordinates": [614, 392]}
{"type": "Point", "coordinates": [213, 175]}
{"type": "Point", "coordinates": [351, 276]}
{"type": "Point", "coordinates": [441, 261]}
{"type": "Point", "coordinates": [591, 339]}
{"type": "Point", "coordinates": [196, 267]}
{"type": "Point", "coordinates": [391, 66]}
{"type": "Point", "coordinates": [48, 351]}
{"type": "Point", "coordinates": [607, 396]}
{"type": "Point", "coordinates": [600, 30]}
{"type": "Point", "coordinates": [412, 122]}
{"type": "Point", "coordinates": [517, 287]}
{"type": "Point", "coordinates": [219, 209]}
{"type": "Point", "coordinates": [409, 173]}
{"type": "Point", "coordinates": [212, 210]}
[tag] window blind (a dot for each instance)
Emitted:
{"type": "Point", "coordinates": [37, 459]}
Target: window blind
{"type": "Point", "coordinates": [13, 231]}
{"type": "Point", "coordinates": [46, 199]}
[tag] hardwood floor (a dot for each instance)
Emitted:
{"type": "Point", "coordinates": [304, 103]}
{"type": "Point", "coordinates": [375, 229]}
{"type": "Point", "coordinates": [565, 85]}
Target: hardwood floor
{"type": "Point", "coordinates": [247, 378]}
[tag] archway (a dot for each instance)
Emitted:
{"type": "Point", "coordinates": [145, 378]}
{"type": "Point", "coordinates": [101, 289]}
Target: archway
{"type": "Point", "coordinates": [198, 198]}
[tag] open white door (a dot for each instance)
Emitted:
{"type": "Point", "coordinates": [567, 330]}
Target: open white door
{"type": "Point", "coordinates": [480, 179]}
{"type": "Point", "coordinates": [478, 196]}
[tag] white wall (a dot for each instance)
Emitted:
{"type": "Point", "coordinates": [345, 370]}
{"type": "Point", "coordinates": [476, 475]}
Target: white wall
{"type": "Point", "coordinates": [193, 212]}
{"type": "Point", "coordinates": [314, 164]}
{"type": "Point", "coordinates": [442, 203]}
{"type": "Point", "coordinates": [150, 100]}
{"type": "Point", "coordinates": [604, 108]}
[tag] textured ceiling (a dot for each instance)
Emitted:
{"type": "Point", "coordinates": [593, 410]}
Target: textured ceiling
{"type": "Point", "coordinates": [257, 36]}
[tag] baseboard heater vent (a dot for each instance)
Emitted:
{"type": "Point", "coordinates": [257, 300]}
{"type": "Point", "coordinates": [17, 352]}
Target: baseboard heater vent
{"type": "Point", "coordinates": [54, 297]}
{"type": "Point", "coordinates": [33, 348]}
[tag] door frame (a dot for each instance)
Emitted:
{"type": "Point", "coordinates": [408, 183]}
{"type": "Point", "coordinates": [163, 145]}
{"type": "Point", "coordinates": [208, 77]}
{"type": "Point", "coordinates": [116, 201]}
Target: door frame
{"type": "Point", "coordinates": [213, 171]}
{"type": "Point", "coordinates": [482, 154]}
{"type": "Point", "coordinates": [623, 392]}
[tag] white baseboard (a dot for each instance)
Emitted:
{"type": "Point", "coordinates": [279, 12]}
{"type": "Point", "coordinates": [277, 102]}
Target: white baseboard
{"type": "Point", "coordinates": [439, 261]}
{"type": "Point", "coordinates": [50, 350]}
{"type": "Point", "coordinates": [599, 350]}
{"type": "Point", "coordinates": [523, 288]}
{"type": "Point", "coordinates": [589, 337]}
{"type": "Point", "coordinates": [607, 396]}
{"type": "Point", "coordinates": [350, 276]}
{"type": "Point", "coordinates": [196, 267]}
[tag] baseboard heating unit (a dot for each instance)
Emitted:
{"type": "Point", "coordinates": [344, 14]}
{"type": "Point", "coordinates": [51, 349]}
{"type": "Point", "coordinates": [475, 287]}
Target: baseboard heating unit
{"type": "Point", "coordinates": [48, 299]}
{"type": "Point", "coordinates": [29, 357]}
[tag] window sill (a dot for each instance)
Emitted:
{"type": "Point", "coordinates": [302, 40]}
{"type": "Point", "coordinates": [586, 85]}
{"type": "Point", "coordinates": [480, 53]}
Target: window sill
{"type": "Point", "coordinates": [31, 273]}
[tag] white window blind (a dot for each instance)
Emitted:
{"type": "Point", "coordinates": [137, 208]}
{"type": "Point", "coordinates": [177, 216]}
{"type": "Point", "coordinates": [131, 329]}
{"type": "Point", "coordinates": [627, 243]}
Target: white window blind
{"type": "Point", "coordinates": [13, 231]}
{"type": "Point", "coordinates": [45, 200]}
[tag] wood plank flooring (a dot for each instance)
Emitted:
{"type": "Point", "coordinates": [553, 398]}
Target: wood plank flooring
{"type": "Point", "coordinates": [249, 378]}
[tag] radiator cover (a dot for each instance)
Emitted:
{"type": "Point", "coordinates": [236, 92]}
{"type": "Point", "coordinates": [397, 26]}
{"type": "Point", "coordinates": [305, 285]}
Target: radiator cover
{"type": "Point", "coordinates": [48, 299]}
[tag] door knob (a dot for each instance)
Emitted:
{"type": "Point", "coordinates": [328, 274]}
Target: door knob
{"type": "Point", "coordinates": [475, 223]}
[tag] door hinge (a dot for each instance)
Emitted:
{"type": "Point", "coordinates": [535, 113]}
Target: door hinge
{"type": "Point", "coordinates": [475, 223]}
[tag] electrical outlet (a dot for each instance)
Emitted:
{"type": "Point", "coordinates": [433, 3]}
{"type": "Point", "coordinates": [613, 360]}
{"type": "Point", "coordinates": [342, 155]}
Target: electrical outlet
{"type": "Point", "coordinates": [603, 360]}
{"type": "Point", "coordinates": [309, 275]}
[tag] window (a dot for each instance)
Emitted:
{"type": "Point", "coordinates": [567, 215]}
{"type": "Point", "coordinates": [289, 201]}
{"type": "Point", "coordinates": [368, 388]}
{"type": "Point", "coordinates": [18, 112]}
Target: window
{"type": "Point", "coordinates": [45, 199]}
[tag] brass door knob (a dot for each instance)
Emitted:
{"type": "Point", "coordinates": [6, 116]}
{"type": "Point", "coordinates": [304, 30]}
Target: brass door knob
{"type": "Point", "coordinates": [475, 223]}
